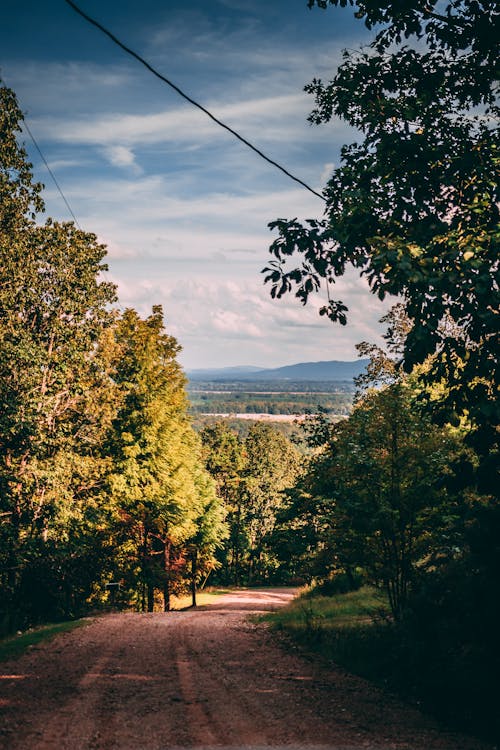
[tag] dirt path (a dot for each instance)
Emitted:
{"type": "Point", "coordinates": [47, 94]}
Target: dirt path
{"type": "Point", "coordinates": [201, 678]}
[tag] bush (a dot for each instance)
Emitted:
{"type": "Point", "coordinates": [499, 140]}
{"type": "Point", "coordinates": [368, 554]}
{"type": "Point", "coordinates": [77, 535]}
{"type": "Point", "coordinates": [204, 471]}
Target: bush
{"type": "Point", "coordinates": [339, 583]}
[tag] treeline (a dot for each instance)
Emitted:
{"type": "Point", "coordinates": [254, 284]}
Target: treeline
{"type": "Point", "coordinates": [252, 475]}
{"type": "Point", "coordinates": [393, 497]}
{"type": "Point", "coordinates": [241, 427]}
{"type": "Point", "coordinates": [271, 386]}
{"type": "Point", "coordinates": [254, 403]}
{"type": "Point", "coordinates": [102, 483]}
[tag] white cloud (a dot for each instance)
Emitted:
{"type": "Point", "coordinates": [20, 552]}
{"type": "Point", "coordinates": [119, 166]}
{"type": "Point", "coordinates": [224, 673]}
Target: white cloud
{"type": "Point", "coordinates": [179, 123]}
{"type": "Point", "coordinates": [121, 156]}
{"type": "Point", "coordinates": [225, 322]}
{"type": "Point", "coordinates": [181, 204]}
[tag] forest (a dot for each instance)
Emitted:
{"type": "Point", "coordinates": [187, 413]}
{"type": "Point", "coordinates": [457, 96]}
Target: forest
{"type": "Point", "coordinates": [105, 483]}
{"type": "Point", "coordinates": [102, 480]}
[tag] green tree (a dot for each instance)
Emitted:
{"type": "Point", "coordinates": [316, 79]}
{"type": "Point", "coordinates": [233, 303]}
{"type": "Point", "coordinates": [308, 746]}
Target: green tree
{"type": "Point", "coordinates": [383, 472]}
{"type": "Point", "coordinates": [225, 460]}
{"type": "Point", "coordinates": [54, 310]}
{"type": "Point", "coordinates": [414, 205]}
{"type": "Point", "coordinates": [211, 530]}
{"type": "Point", "coordinates": [272, 466]}
{"type": "Point", "coordinates": [158, 481]}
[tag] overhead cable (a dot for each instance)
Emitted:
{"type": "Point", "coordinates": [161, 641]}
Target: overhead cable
{"type": "Point", "coordinates": [26, 127]}
{"type": "Point", "coordinates": [188, 98]}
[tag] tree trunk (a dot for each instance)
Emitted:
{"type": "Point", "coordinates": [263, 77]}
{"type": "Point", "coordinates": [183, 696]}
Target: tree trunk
{"type": "Point", "coordinates": [166, 582]}
{"type": "Point", "coordinates": [194, 573]}
{"type": "Point", "coordinates": [151, 596]}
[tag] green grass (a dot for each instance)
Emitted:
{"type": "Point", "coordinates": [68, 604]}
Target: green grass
{"type": "Point", "coordinates": [311, 614]}
{"type": "Point", "coordinates": [350, 629]}
{"type": "Point", "coordinates": [14, 646]}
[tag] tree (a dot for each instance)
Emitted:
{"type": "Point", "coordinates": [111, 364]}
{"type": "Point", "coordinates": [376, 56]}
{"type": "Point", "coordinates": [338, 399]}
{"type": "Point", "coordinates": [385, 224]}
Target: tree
{"type": "Point", "coordinates": [225, 461]}
{"type": "Point", "coordinates": [54, 310]}
{"type": "Point", "coordinates": [19, 196]}
{"type": "Point", "coordinates": [273, 464]}
{"type": "Point", "coordinates": [383, 471]}
{"type": "Point", "coordinates": [98, 460]}
{"type": "Point", "coordinates": [211, 530]}
{"type": "Point", "coordinates": [378, 491]}
{"type": "Point", "coordinates": [414, 205]}
{"type": "Point", "coordinates": [163, 496]}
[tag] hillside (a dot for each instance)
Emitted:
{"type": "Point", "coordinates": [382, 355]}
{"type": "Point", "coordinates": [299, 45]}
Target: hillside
{"type": "Point", "coordinates": [333, 370]}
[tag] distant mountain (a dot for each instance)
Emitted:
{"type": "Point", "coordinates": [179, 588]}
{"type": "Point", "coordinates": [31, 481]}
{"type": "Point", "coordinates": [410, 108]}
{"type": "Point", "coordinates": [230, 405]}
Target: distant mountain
{"type": "Point", "coordinates": [224, 373]}
{"type": "Point", "coordinates": [333, 370]}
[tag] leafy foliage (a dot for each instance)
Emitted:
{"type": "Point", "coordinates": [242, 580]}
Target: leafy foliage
{"type": "Point", "coordinates": [164, 499]}
{"type": "Point", "coordinates": [100, 470]}
{"type": "Point", "coordinates": [414, 204]}
{"type": "Point", "coordinates": [54, 311]}
{"type": "Point", "coordinates": [252, 477]}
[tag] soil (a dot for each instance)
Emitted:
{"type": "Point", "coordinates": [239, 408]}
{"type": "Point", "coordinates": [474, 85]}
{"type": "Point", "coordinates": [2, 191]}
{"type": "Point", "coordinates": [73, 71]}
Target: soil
{"type": "Point", "coordinates": [200, 678]}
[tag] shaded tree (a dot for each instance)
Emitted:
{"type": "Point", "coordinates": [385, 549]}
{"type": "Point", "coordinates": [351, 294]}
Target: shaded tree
{"type": "Point", "coordinates": [414, 204]}
{"type": "Point", "coordinates": [272, 466]}
{"type": "Point", "coordinates": [54, 309]}
{"type": "Point", "coordinates": [225, 460]}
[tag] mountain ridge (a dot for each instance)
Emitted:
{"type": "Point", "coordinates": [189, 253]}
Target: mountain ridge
{"type": "Point", "coordinates": [325, 370]}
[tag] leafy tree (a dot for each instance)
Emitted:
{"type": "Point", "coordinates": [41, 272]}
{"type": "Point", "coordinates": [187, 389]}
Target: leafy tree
{"type": "Point", "coordinates": [19, 196]}
{"type": "Point", "coordinates": [378, 493]}
{"type": "Point", "coordinates": [54, 309]}
{"type": "Point", "coordinates": [100, 471]}
{"type": "Point", "coordinates": [164, 499]}
{"type": "Point", "coordinates": [273, 464]}
{"type": "Point", "coordinates": [382, 471]}
{"type": "Point", "coordinates": [211, 530]}
{"type": "Point", "coordinates": [225, 461]}
{"type": "Point", "coordinates": [251, 477]}
{"type": "Point", "coordinates": [414, 204]}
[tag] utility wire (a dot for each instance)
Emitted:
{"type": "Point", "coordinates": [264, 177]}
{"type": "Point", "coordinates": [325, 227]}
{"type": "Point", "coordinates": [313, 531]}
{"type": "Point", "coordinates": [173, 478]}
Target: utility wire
{"type": "Point", "coordinates": [188, 98]}
{"type": "Point", "coordinates": [26, 126]}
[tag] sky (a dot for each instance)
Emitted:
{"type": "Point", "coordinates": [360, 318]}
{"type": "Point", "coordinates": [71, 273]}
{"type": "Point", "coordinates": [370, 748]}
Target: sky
{"type": "Point", "coordinates": [181, 205]}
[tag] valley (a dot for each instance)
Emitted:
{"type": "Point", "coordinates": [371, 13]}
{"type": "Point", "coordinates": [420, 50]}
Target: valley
{"type": "Point", "coordinates": [282, 395]}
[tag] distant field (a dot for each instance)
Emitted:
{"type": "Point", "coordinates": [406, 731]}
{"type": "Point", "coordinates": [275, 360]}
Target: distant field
{"type": "Point", "coordinates": [260, 417]}
{"type": "Point", "coordinates": [254, 400]}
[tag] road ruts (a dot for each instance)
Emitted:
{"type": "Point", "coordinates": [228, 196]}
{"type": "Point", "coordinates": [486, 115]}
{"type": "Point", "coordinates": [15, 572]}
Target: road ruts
{"type": "Point", "coordinates": [204, 678]}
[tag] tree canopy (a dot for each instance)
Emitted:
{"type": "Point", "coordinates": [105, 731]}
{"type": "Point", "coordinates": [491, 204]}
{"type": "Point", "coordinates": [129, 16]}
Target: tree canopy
{"type": "Point", "coordinates": [414, 203]}
{"type": "Point", "coordinates": [100, 470]}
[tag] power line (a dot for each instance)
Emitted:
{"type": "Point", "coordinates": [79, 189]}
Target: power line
{"type": "Point", "coordinates": [26, 126]}
{"type": "Point", "coordinates": [188, 98]}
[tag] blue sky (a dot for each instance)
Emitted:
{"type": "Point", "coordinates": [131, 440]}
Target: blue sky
{"type": "Point", "coordinates": [181, 205]}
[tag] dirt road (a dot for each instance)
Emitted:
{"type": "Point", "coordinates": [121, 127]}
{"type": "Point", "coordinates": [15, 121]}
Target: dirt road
{"type": "Point", "coordinates": [200, 678]}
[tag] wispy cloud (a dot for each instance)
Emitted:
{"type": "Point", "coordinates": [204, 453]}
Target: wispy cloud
{"type": "Point", "coordinates": [121, 156]}
{"type": "Point", "coordinates": [226, 322]}
{"type": "Point", "coordinates": [177, 124]}
{"type": "Point", "coordinates": [181, 204]}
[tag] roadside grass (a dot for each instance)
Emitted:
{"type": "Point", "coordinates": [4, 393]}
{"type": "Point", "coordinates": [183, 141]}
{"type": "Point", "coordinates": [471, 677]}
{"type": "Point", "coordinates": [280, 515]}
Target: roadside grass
{"type": "Point", "coordinates": [15, 645]}
{"type": "Point", "coordinates": [350, 628]}
{"type": "Point", "coordinates": [310, 613]}
{"type": "Point", "coordinates": [354, 631]}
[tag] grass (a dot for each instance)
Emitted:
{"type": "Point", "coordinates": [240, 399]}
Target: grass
{"type": "Point", "coordinates": [14, 646]}
{"type": "Point", "coordinates": [310, 614]}
{"type": "Point", "coordinates": [351, 629]}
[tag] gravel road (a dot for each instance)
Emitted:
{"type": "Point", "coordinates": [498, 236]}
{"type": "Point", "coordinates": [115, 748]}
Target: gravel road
{"type": "Point", "coordinates": [202, 678]}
